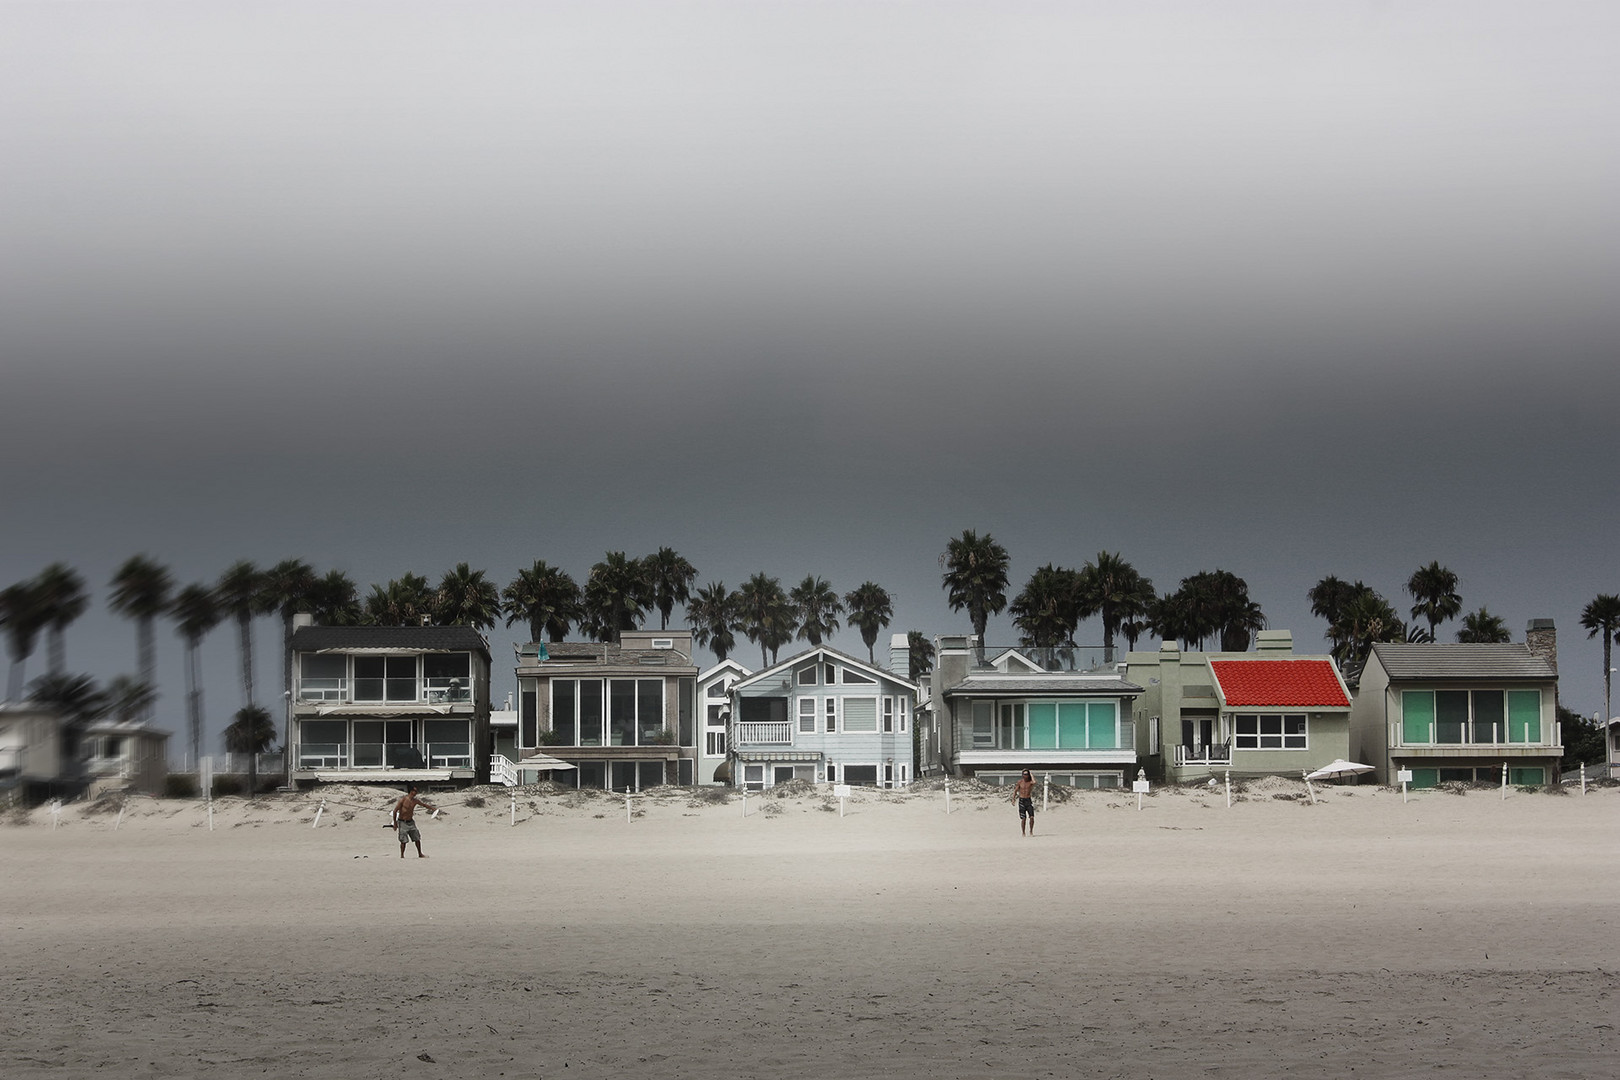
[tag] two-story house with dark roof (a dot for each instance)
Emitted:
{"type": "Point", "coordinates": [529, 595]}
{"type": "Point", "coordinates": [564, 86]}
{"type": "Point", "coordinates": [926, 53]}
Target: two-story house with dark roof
{"type": "Point", "coordinates": [1458, 712]}
{"type": "Point", "coordinates": [1061, 713]}
{"type": "Point", "coordinates": [623, 714]}
{"type": "Point", "coordinates": [389, 704]}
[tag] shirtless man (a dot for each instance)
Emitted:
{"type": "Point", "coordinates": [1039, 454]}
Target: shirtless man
{"type": "Point", "coordinates": [1024, 792]}
{"type": "Point", "coordinates": [405, 820]}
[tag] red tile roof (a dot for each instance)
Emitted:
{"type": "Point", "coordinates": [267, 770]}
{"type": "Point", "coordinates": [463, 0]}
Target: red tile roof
{"type": "Point", "coordinates": [1295, 683]}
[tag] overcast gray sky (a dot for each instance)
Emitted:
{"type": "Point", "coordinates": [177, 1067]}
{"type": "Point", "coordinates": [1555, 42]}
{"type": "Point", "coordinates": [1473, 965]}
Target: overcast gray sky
{"type": "Point", "coordinates": [1289, 290]}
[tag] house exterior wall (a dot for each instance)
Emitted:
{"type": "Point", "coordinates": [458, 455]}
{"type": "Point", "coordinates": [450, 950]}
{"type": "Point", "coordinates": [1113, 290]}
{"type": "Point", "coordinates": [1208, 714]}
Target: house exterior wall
{"type": "Point", "coordinates": [1181, 686]}
{"type": "Point", "coordinates": [818, 754]}
{"type": "Point", "coordinates": [30, 746]}
{"type": "Point", "coordinates": [1379, 722]}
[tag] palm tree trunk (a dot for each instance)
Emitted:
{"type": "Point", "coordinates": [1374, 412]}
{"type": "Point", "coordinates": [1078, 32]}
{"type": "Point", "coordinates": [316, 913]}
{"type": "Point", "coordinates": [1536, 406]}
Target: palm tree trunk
{"type": "Point", "coordinates": [146, 656]}
{"type": "Point", "coordinates": [55, 650]}
{"type": "Point", "coordinates": [14, 684]}
{"type": "Point", "coordinates": [194, 704]}
{"type": "Point", "coordinates": [244, 625]}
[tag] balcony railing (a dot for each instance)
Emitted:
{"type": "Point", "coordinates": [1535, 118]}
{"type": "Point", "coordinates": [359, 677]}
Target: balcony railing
{"type": "Point", "coordinates": [1071, 658]}
{"type": "Point", "coordinates": [434, 691]}
{"type": "Point", "coordinates": [765, 732]}
{"type": "Point", "coordinates": [1470, 733]}
{"type": "Point", "coordinates": [436, 755]}
{"type": "Point", "coordinates": [1214, 754]}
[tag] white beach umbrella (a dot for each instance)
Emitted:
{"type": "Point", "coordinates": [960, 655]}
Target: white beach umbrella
{"type": "Point", "coordinates": [1339, 768]}
{"type": "Point", "coordinates": [544, 762]}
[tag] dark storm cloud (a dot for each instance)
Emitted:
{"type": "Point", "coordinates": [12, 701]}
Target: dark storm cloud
{"type": "Point", "coordinates": [812, 287]}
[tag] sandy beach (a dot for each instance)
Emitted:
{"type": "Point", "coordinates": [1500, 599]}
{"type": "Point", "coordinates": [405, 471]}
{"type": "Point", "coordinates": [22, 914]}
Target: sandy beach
{"type": "Point", "coordinates": [1461, 932]}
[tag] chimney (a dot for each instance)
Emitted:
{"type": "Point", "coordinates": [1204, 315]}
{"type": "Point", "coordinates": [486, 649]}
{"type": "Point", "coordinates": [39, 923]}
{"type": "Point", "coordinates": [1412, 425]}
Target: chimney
{"type": "Point", "coordinates": [1274, 641]}
{"type": "Point", "coordinates": [302, 618]}
{"type": "Point", "coordinates": [1542, 640]}
{"type": "Point", "coordinates": [900, 655]}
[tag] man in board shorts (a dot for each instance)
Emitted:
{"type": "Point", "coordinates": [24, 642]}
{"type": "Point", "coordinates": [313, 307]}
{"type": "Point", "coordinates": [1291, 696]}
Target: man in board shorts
{"type": "Point", "coordinates": [1023, 791]}
{"type": "Point", "coordinates": [405, 820]}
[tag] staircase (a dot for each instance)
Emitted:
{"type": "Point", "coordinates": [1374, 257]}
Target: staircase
{"type": "Point", "coordinates": [502, 770]}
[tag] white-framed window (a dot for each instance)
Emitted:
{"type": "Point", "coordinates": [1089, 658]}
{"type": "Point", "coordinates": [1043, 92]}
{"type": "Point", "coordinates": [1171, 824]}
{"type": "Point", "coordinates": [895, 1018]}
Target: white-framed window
{"type": "Point", "coordinates": [717, 716]}
{"type": "Point", "coordinates": [806, 676]}
{"type": "Point", "coordinates": [888, 715]}
{"type": "Point", "coordinates": [855, 677]}
{"type": "Point", "coordinates": [830, 713]}
{"type": "Point", "coordinates": [1271, 731]}
{"type": "Point", "coordinates": [807, 716]}
{"type": "Point", "coordinates": [903, 707]}
{"type": "Point", "coordinates": [860, 714]}
{"type": "Point", "coordinates": [984, 725]}
{"type": "Point", "coordinates": [832, 772]}
{"type": "Point", "coordinates": [716, 690]}
{"type": "Point", "coordinates": [715, 743]}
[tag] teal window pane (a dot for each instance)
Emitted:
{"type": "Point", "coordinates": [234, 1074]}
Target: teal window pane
{"type": "Point", "coordinates": [1490, 718]}
{"type": "Point", "coordinates": [1102, 721]}
{"type": "Point", "coordinates": [1417, 713]}
{"type": "Point", "coordinates": [1043, 725]}
{"type": "Point", "coordinates": [1450, 715]}
{"type": "Point", "coordinates": [1527, 777]}
{"type": "Point", "coordinates": [1425, 778]}
{"type": "Point", "coordinates": [1072, 725]}
{"type": "Point", "coordinates": [1524, 716]}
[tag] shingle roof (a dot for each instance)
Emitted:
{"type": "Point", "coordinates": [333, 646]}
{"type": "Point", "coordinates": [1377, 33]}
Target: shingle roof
{"type": "Point", "coordinates": [583, 654]}
{"type": "Point", "coordinates": [1445, 661]}
{"type": "Point", "coordinates": [1053, 685]}
{"type": "Point", "coordinates": [407, 638]}
{"type": "Point", "coordinates": [1297, 683]}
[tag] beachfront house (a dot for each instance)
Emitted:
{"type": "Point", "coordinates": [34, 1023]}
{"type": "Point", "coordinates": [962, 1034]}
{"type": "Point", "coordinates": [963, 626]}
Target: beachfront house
{"type": "Point", "coordinates": [622, 713]}
{"type": "Point", "coordinates": [31, 758]}
{"type": "Point", "coordinates": [123, 755]}
{"type": "Point", "coordinates": [1063, 713]}
{"type": "Point", "coordinates": [389, 704]}
{"type": "Point", "coordinates": [1459, 712]}
{"type": "Point", "coordinates": [1263, 713]}
{"type": "Point", "coordinates": [823, 716]}
{"type": "Point", "coordinates": [714, 703]}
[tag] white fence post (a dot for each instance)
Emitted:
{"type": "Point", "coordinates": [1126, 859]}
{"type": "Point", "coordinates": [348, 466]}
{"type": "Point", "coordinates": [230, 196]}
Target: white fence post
{"type": "Point", "coordinates": [318, 812]}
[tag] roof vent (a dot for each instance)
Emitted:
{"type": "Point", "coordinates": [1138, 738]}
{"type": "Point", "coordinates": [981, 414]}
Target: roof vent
{"type": "Point", "coordinates": [663, 643]}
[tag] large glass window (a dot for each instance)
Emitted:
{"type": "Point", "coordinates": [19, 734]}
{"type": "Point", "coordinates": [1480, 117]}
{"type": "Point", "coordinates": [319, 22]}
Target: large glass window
{"type": "Point", "coordinates": [385, 678]}
{"type": "Point", "coordinates": [650, 710]}
{"type": "Point", "coordinates": [449, 743]}
{"type": "Point", "coordinates": [564, 717]}
{"type": "Point", "coordinates": [528, 721]}
{"type": "Point", "coordinates": [622, 712]}
{"type": "Point", "coordinates": [1043, 725]}
{"type": "Point", "coordinates": [447, 676]}
{"type": "Point", "coordinates": [323, 744]}
{"type": "Point", "coordinates": [1450, 715]}
{"type": "Point", "coordinates": [984, 725]}
{"type": "Point", "coordinates": [1278, 731]}
{"type": "Point", "coordinates": [1482, 717]}
{"type": "Point", "coordinates": [1417, 717]}
{"type": "Point", "coordinates": [627, 712]}
{"type": "Point", "coordinates": [1524, 717]}
{"type": "Point", "coordinates": [807, 716]}
{"type": "Point", "coordinates": [322, 676]}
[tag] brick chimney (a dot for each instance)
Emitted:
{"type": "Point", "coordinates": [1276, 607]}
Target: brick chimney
{"type": "Point", "coordinates": [1542, 640]}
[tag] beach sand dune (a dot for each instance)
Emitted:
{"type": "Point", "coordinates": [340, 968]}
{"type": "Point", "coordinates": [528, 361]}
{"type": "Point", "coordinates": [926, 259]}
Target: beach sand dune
{"type": "Point", "coordinates": [1457, 933]}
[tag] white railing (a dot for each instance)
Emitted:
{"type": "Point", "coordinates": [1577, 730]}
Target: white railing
{"type": "Point", "coordinates": [502, 770]}
{"type": "Point", "coordinates": [440, 755]}
{"type": "Point", "coordinates": [765, 732]}
{"type": "Point", "coordinates": [1459, 733]}
{"type": "Point", "coordinates": [1215, 754]}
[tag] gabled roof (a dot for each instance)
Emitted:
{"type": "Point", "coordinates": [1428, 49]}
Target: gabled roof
{"type": "Point", "coordinates": [1463, 662]}
{"type": "Point", "coordinates": [1307, 683]}
{"type": "Point", "coordinates": [786, 666]}
{"type": "Point", "coordinates": [403, 638]}
{"type": "Point", "coordinates": [724, 666]}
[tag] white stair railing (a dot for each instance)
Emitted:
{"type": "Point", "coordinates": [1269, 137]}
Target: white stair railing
{"type": "Point", "coordinates": [502, 770]}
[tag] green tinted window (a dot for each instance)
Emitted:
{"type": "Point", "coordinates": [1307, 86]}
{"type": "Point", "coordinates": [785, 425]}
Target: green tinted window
{"type": "Point", "coordinates": [1072, 724]}
{"type": "Point", "coordinates": [1524, 716]}
{"type": "Point", "coordinates": [1100, 720]}
{"type": "Point", "coordinates": [1043, 725]}
{"type": "Point", "coordinates": [1417, 714]}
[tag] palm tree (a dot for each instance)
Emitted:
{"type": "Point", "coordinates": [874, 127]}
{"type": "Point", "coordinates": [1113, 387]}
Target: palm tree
{"type": "Point", "coordinates": [466, 598]}
{"type": "Point", "coordinates": [670, 578]}
{"type": "Point", "coordinates": [405, 601]}
{"type": "Point", "coordinates": [870, 609]}
{"type": "Point", "coordinates": [128, 699]}
{"type": "Point", "coordinates": [195, 612]}
{"type": "Point", "coordinates": [1602, 616]}
{"type": "Point", "coordinates": [251, 733]}
{"type": "Point", "coordinates": [975, 578]}
{"type": "Point", "coordinates": [1111, 588]}
{"type": "Point", "coordinates": [241, 593]}
{"type": "Point", "coordinates": [1482, 628]}
{"type": "Point", "coordinates": [919, 655]}
{"type": "Point", "coordinates": [140, 591]}
{"type": "Point", "coordinates": [62, 595]}
{"type": "Point", "coordinates": [1329, 597]}
{"type": "Point", "coordinates": [333, 600]}
{"type": "Point", "coordinates": [766, 615]}
{"type": "Point", "coordinates": [22, 613]}
{"type": "Point", "coordinates": [617, 594]}
{"type": "Point", "coordinates": [1434, 590]}
{"type": "Point", "coordinates": [1365, 621]}
{"type": "Point", "coordinates": [713, 615]}
{"type": "Point", "coordinates": [816, 608]}
{"type": "Point", "coordinates": [546, 598]}
{"type": "Point", "coordinates": [288, 587]}
{"type": "Point", "coordinates": [1047, 611]}
{"type": "Point", "coordinates": [76, 700]}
